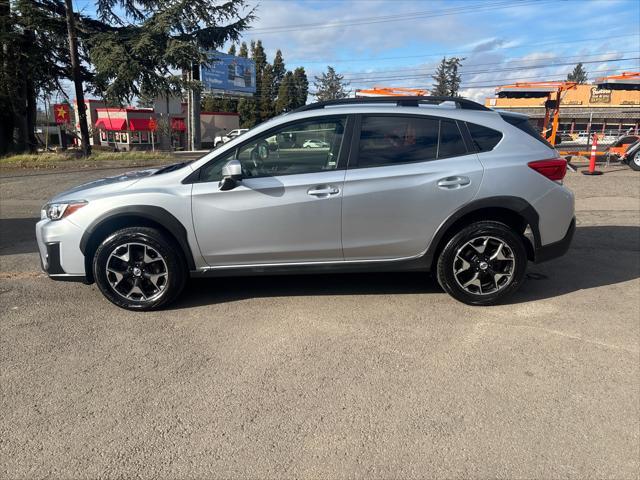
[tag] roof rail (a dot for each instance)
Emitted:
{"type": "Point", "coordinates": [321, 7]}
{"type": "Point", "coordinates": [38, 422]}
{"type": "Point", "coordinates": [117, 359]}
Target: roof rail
{"type": "Point", "coordinates": [408, 101]}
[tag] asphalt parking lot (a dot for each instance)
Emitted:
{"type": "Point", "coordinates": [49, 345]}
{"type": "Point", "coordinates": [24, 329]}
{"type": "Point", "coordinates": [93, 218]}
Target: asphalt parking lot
{"type": "Point", "coordinates": [370, 376]}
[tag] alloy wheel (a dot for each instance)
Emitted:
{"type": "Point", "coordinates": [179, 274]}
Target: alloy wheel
{"type": "Point", "coordinates": [137, 272]}
{"type": "Point", "coordinates": [484, 265]}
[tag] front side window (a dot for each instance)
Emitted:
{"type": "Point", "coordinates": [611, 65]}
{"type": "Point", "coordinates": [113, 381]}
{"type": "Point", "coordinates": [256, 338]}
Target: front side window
{"type": "Point", "coordinates": [303, 147]}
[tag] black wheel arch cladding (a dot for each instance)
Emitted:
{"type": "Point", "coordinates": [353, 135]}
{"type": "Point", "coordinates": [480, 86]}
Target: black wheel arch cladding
{"type": "Point", "coordinates": [153, 214]}
{"type": "Point", "coordinates": [516, 205]}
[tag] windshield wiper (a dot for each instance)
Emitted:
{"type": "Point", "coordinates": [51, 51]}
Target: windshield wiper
{"type": "Point", "coordinates": [172, 167]}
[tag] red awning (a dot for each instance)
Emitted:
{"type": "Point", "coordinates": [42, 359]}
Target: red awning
{"type": "Point", "coordinates": [139, 125]}
{"type": "Point", "coordinates": [178, 124]}
{"type": "Point", "coordinates": [111, 123]}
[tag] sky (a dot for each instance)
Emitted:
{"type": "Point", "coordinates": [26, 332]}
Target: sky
{"type": "Point", "coordinates": [399, 43]}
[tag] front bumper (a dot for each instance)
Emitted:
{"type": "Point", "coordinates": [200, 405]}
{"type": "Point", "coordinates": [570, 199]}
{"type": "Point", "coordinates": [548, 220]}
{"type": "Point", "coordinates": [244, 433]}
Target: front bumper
{"type": "Point", "coordinates": [556, 249]}
{"type": "Point", "coordinates": [60, 255]}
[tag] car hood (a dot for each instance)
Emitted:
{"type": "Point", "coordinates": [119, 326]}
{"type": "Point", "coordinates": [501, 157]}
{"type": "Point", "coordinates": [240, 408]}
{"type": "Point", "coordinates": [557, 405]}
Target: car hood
{"type": "Point", "coordinates": [103, 186]}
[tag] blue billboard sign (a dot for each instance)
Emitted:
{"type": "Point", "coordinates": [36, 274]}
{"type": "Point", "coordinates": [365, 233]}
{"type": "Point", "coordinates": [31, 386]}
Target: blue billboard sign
{"type": "Point", "coordinates": [229, 74]}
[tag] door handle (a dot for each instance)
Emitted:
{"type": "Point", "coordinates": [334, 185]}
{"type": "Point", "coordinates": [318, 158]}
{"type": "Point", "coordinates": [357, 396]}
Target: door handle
{"type": "Point", "coordinates": [451, 183]}
{"type": "Point", "coordinates": [322, 191]}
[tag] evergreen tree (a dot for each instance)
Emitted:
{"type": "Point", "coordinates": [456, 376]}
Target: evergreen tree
{"type": "Point", "coordinates": [248, 112]}
{"type": "Point", "coordinates": [232, 49]}
{"type": "Point", "coordinates": [578, 75]}
{"type": "Point", "coordinates": [152, 39]}
{"type": "Point", "coordinates": [331, 86]}
{"type": "Point", "coordinates": [212, 103]}
{"type": "Point", "coordinates": [34, 59]}
{"type": "Point", "coordinates": [244, 51]}
{"type": "Point", "coordinates": [453, 75]}
{"type": "Point", "coordinates": [258, 56]}
{"type": "Point", "coordinates": [145, 101]}
{"type": "Point", "coordinates": [441, 77]}
{"type": "Point", "coordinates": [266, 101]}
{"type": "Point", "coordinates": [263, 89]}
{"type": "Point", "coordinates": [287, 94]}
{"type": "Point", "coordinates": [279, 71]}
{"type": "Point", "coordinates": [301, 87]}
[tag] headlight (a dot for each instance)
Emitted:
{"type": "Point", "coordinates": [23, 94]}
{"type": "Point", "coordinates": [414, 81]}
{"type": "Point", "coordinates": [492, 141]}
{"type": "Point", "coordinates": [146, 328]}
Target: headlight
{"type": "Point", "coordinates": [56, 211]}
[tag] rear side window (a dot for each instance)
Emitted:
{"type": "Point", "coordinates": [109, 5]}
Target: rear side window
{"type": "Point", "coordinates": [484, 139]}
{"type": "Point", "coordinates": [387, 140]}
{"type": "Point", "coordinates": [523, 124]}
{"type": "Point", "coordinates": [395, 139]}
{"type": "Point", "coordinates": [451, 142]}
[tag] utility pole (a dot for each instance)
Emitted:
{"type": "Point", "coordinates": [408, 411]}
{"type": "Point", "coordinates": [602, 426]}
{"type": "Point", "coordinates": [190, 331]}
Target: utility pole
{"type": "Point", "coordinates": [195, 109]}
{"type": "Point", "coordinates": [77, 81]}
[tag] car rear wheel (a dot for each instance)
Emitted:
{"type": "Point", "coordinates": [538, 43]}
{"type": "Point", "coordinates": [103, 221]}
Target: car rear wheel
{"type": "Point", "coordinates": [634, 161]}
{"type": "Point", "coordinates": [483, 263]}
{"type": "Point", "coordinates": [139, 268]}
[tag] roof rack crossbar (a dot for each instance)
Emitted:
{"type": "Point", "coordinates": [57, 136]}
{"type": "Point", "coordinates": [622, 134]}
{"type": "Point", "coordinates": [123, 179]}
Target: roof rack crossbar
{"type": "Point", "coordinates": [408, 101]}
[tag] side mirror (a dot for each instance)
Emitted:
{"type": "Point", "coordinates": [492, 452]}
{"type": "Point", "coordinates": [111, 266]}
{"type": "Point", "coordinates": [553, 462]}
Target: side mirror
{"type": "Point", "coordinates": [231, 175]}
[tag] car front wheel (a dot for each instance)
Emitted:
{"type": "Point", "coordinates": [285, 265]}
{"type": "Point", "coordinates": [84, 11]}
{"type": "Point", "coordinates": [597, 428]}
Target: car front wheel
{"type": "Point", "coordinates": [139, 268]}
{"type": "Point", "coordinates": [483, 263]}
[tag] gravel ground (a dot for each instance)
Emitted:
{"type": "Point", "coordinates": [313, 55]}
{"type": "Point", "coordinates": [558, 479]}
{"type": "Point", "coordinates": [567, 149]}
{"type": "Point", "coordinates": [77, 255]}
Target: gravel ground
{"type": "Point", "coordinates": [369, 376]}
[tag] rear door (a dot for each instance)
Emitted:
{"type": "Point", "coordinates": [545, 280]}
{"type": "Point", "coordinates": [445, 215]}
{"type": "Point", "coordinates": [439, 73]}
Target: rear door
{"type": "Point", "coordinates": [407, 174]}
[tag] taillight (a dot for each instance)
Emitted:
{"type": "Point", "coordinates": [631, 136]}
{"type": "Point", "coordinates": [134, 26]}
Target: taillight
{"type": "Point", "coordinates": [553, 169]}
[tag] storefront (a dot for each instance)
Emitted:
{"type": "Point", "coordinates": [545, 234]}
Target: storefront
{"type": "Point", "coordinates": [128, 129]}
{"type": "Point", "coordinates": [596, 108]}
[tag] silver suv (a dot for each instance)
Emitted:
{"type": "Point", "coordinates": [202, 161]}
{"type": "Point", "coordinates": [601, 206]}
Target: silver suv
{"type": "Point", "coordinates": [434, 184]}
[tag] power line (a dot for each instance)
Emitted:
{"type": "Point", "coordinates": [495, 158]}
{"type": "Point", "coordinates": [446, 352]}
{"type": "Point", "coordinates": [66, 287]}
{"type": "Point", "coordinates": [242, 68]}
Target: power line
{"type": "Point", "coordinates": [509, 80]}
{"type": "Point", "coordinates": [408, 16]}
{"type": "Point", "coordinates": [497, 70]}
{"type": "Point", "coordinates": [468, 52]}
{"type": "Point", "coordinates": [512, 60]}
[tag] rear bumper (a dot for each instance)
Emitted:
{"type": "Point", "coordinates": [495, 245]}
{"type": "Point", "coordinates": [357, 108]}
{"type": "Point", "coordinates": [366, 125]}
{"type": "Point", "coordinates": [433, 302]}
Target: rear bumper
{"type": "Point", "coordinates": [556, 249]}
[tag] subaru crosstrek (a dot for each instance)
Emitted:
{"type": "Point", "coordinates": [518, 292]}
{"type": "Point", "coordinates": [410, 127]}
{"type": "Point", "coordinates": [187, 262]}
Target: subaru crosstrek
{"type": "Point", "coordinates": [433, 184]}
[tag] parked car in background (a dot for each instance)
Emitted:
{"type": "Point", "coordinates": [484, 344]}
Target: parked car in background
{"type": "Point", "coordinates": [631, 156]}
{"type": "Point", "coordinates": [222, 139]}
{"type": "Point", "coordinates": [427, 184]}
{"type": "Point", "coordinates": [315, 144]}
{"type": "Point", "coordinates": [619, 147]}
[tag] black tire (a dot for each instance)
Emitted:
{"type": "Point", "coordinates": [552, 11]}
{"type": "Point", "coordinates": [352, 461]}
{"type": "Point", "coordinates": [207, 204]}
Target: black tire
{"type": "Point", "coordinates": [166, 264]}
{"type": "Point", "coordinates": [480, 268]}
{"type": "Point", "coordinates": [634, 161]}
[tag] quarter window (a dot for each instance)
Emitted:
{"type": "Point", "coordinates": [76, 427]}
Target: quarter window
{"type": "Point", "coordinates": [485, 139]}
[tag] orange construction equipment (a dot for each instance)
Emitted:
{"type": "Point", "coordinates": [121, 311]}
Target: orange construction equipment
{"type": "Point", "coordinates": [552, 90]}
{"type": "Point", "coordinates": [391, 91]}
{"type": "Point", "coordinates": [624, 81]}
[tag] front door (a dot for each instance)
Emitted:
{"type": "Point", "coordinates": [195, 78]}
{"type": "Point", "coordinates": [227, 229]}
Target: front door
{"type": "Point", "coordinates": [408, 175]}
{"type": "Point", "coordinates": [286, 208]}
